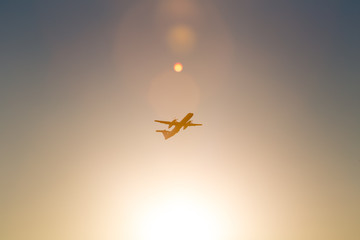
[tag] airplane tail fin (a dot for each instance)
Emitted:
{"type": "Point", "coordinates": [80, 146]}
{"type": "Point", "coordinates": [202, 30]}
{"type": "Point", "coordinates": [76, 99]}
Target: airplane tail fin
{"type": "Point", "coordinates": [166, 134]}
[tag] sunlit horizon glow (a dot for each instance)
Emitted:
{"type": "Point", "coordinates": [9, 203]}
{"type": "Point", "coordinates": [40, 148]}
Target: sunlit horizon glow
{"type": "Point", "coordinates": [178, 219]}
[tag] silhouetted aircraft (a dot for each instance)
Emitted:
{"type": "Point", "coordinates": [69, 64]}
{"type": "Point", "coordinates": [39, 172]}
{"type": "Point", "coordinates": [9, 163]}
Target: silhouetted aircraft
{"type": "Point", "coordinates": [184, 123]}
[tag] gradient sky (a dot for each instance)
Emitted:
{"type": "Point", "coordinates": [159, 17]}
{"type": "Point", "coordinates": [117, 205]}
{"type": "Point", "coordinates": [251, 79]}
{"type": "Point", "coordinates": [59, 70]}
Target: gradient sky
{"type": "Point", "coordinates": [275, 83]}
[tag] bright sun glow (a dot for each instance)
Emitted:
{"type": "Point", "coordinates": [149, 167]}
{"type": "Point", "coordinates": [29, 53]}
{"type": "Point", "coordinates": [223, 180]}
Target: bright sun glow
{"type": "Point", "coordinates": [178, 67]}
{"type": "Point", "coordinates": [179, 220]}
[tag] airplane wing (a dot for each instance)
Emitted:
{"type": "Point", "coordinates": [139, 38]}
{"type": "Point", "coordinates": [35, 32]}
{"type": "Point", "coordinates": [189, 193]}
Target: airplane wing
{"type": "Point", "coordinates": [190, 124]}
{"type": "Point", "coordinates": [164, 122]}
{"type": "Point", "coordinates": [194, 124]}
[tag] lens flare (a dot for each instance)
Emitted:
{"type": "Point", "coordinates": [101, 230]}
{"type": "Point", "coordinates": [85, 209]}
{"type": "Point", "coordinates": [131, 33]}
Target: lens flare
{"type": "Point", "coordinates": [181, 39]}
{"type": "Point", "coordinates": [178, 67]}
{"type": "Point", "coordinates": [171, 93]}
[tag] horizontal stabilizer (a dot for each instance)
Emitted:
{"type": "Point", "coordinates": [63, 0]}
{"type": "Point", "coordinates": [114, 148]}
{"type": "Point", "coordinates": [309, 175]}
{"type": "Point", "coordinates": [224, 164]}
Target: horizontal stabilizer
{"type": "Point", "coordinates": [167, 134]}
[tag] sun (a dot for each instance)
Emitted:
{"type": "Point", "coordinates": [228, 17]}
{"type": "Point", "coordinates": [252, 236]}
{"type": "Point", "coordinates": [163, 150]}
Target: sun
{"type": "Point", "coordinates": [178, 67]}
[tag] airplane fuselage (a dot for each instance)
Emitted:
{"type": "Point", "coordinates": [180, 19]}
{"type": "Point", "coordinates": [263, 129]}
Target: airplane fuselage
{"type": "Point", "coordinates": [183, 122]}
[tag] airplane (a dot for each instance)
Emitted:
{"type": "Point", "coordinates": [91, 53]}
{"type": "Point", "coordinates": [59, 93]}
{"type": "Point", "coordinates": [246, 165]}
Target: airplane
{"type": "Point", "coordinates": [184, 123]}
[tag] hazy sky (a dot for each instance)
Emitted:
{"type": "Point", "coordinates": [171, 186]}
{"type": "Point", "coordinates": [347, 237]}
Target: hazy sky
{"type": "Point", "coordinates": [275, 83]}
